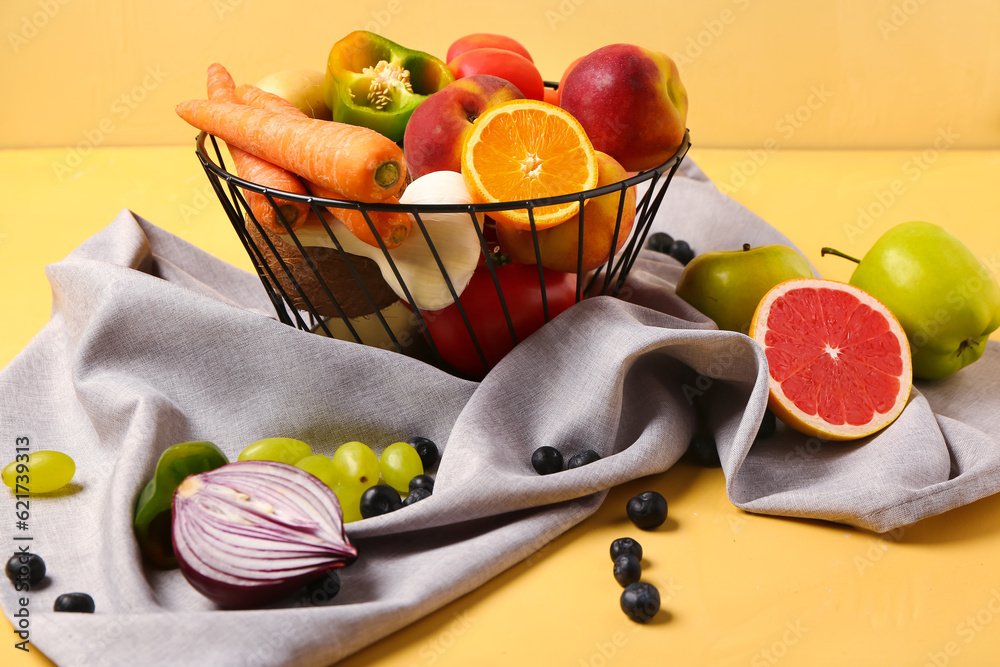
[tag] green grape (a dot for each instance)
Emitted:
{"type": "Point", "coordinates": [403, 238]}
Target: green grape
{"type": "Point", "coordinates": [349, 496]}
{"type": "Point", "coordinates": [356, 464]}
{"type": "Point", "coordinates": [400, 463]}
{"type": "Point", "coordinates": [39, 472]}
{"type": "Point", "coordinates": [282, 450]}
{"type": "Point", "coordinates": [321, 466]}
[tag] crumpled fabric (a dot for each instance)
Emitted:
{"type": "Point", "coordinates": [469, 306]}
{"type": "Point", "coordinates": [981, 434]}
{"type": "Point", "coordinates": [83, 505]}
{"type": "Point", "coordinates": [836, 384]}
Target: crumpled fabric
{"type": "Point", "coordinates": [154, 342]}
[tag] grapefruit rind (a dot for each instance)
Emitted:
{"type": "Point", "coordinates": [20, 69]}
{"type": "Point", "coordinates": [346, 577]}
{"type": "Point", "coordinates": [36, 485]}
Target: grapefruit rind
{"type": "Point", "coordinates": [814, 425]}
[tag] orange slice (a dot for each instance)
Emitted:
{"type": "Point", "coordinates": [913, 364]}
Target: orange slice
{"type": "Point", "coordinates": [528, 150]}
{"type": "Point", "coordinates": [838, 359]}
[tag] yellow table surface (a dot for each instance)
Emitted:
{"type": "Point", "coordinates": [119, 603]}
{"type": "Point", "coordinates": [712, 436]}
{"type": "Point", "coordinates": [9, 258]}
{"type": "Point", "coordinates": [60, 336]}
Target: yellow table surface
{"type": "Point", "coordinates": [737, 589]}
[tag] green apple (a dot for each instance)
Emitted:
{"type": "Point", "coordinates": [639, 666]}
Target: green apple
{"type": "Point", "coordinates": [727, 285]}
{"type": "Point", "coordinates": [944, 297]}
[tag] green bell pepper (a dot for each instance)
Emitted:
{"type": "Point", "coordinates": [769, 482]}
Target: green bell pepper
{"type": "Point", "coordinates": [376, 83]}
{"type": "Point", "coordinates": [152, 522]}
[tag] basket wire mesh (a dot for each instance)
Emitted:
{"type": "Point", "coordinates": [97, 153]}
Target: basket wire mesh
{"type": "Point", "coordinates": [296, 306]}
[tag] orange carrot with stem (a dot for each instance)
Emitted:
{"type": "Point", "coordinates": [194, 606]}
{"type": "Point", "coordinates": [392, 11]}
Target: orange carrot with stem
{"type": "Point", "coordinates": [356, 161]}
{"type": "Point", "coordinates": [221, 87]}
{"type": "Point", "coordinates": [392, 227]}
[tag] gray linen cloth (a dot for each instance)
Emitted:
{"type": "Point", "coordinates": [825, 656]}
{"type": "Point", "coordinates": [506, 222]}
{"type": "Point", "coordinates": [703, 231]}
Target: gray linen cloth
{"type": "Point", "coordinates": [154, 342]}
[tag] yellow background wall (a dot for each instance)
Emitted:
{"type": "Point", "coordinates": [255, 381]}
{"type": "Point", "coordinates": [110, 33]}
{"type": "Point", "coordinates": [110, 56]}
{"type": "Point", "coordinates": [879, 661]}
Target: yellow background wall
{"type": "Point", "coordinates": [786, 73]}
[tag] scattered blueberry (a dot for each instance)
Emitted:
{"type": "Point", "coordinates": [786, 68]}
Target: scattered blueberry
{"type": "Point", "coordinates": [427, 450]}
{"type": "Point", "coordinates": [422, 482]}
{"type": "Point", "coordinates": [704, 450]}
{"type": "Point", "coordinates": [416, 495]}
{"type": "Point", "coordinates": [625, 545]}
{"type": "Point", "coordinates": [582, 459]}
{"type": "Point", "coordinates": [660, 242]}
{"type": "Point", "coordinates": [76, 602]}
{"type": "Point", "coordinates": [647, 510]}
{"type": "Point", "coordinates": [25, 567]}
{"type": "Point", "coordinates": [627, 569]}
{"type": "Point", "coordinates": [682, 252]}
{"type": "Point", "coordinates": [379, 499]}
{"type": "Point", "coordinates": [640, 601]}
{"type": "Point", "coordinates": [768, 426]}
{"type": "Point", "coordinates": [323, 589]}
{"type": "Point", "coordinates": [546, 460]}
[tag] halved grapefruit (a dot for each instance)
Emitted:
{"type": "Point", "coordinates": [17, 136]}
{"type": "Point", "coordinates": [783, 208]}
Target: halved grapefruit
{"type": "Point", "coordinates": [838, 360]}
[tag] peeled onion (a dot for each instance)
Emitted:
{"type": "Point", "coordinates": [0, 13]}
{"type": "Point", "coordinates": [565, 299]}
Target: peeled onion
{"type": "Point", "coordinates": [251, 532]}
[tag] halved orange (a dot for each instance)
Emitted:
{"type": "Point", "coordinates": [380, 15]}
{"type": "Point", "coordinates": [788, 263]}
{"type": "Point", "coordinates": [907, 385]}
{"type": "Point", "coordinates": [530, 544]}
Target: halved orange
{"type": "Point", "coordinates": [528, 150]}
{"type": "Point", "coordinates": [838, 359]}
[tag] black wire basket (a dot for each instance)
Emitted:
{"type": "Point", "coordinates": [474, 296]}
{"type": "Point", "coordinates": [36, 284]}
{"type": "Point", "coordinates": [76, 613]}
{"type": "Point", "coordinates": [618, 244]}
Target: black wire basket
{"type": "Point", "coordinates": [329, 291]}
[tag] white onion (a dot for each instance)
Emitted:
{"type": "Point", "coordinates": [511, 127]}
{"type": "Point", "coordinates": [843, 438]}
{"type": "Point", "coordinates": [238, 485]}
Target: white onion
{"type": "Point", "coordinates": [252, 532]}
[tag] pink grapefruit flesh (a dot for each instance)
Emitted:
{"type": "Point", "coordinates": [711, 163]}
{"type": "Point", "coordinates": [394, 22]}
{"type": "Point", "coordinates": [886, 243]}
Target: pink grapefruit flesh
{"type": "Point", "coordinates": [838, 360]}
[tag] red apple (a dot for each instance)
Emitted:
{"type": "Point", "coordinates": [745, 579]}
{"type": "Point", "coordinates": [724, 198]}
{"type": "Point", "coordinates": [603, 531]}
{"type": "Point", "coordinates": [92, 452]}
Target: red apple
{"type": "Point", "coordinates": [437, 129]}
{"type": "Point", "coordinates": [630, 101]}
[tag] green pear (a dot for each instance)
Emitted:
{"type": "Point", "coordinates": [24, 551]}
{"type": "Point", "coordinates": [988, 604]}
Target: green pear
{"type": "Point", "coordinates": [945, 298]}
{"type": "Point", "coordinates": [727, 285]}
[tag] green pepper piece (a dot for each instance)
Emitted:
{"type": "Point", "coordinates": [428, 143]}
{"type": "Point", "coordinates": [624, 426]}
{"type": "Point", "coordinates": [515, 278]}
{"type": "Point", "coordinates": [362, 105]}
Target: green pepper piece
{"type": "Point", "coordinates": [152, 521]}
{"type": "Point", "coordinates": [376, 83]}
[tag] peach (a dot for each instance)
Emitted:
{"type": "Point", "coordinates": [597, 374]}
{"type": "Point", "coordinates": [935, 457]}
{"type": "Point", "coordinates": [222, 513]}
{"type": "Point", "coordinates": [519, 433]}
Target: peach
{"type": "Point", "coordinates": [437, 129]}
{"type": "Point", "coordinates": [631, 102]}
{"type": "Point", "coordinates": [559, 244]}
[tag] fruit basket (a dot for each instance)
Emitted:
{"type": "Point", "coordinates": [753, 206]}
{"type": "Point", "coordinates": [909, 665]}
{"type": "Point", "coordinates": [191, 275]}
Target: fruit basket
{"type": "Point", "coordinates": [327, 289]}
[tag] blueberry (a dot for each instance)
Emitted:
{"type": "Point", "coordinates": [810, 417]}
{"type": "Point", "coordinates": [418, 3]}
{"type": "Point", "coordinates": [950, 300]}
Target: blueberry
{"type": "Point", "coordinates": [322, 590]}
{"type": "Point", "coordinates": [416, 495]}
{"type": "Point", "coordinates": [647, 510]}
{"type": "Point", "coordinates": [422, 482]}
{"type": "Point", "coordinates": [546, 460]}
{"type": "Point", "coordinates": [704, 450]}
{"type": "Point", "coordinates": [78, 602]}
{"type": "Point", "coordinates": [379, 499]}
{"type": "Point", "coordinates": [640, 601]}
{"type": "Point", "coordinates": [582, 459]}
{"type": "Point", "coordinates": [627, 569]}
{"type": "Point", "coordinates": [427, 450]}
{"type": "Point", "coordinates": [660, 242]}
{"type": "Point", "coordinates": [25, 567]}
{"type": "Point", "coordinates": [625, 545]}
{"type": "Point", "coordinates": [681, 251]}
{"type": "Point", "coordinates": [768, 425]}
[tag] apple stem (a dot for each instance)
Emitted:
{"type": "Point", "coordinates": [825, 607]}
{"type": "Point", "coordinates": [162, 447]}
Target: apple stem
{"type": "Point", "coordinates": [832, 251]}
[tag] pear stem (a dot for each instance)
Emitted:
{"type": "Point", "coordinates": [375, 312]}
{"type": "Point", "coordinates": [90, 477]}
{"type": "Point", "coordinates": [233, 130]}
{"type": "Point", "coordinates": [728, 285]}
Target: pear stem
{"type": "Point", "coordinates": [832, 251]}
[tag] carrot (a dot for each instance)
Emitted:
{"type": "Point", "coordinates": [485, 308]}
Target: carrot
{"type": "Point", "coordinates": [392, 226]}
{"type": "Point", "coordinates": [221, 87]}
{"type": "Point", "coordinates": [356, 161]}
{"type": "Point", "coordinates": [255, 97]}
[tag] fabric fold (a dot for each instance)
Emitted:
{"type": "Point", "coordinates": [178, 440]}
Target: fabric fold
{"type": "Point", "coordinates": [154, 342]}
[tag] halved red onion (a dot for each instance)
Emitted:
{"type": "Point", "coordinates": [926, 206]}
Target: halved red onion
{"type": "Point", "coordinates": [251, 532]}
